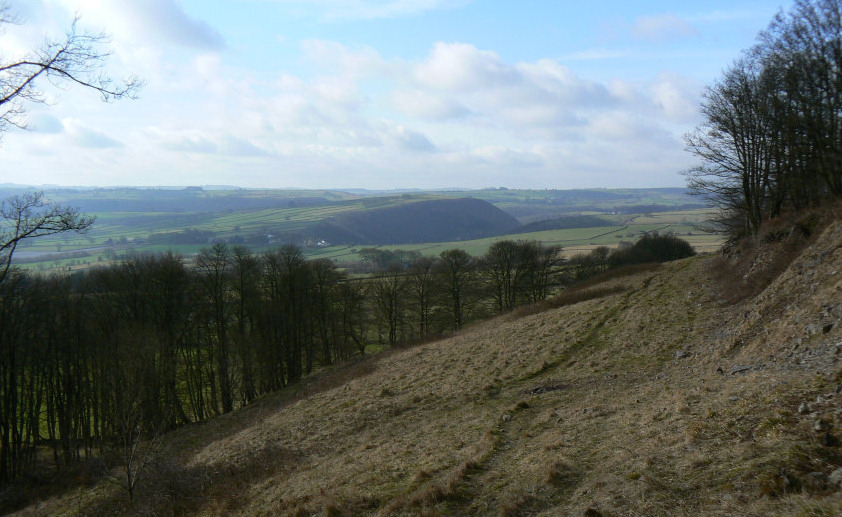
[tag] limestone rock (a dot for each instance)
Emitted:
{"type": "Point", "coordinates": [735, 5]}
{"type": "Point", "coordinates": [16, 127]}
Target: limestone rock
{"type": "Point", "coordinates": [835, 477]}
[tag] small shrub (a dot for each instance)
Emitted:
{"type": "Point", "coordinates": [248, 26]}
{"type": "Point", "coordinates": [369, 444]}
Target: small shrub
{"type": "Point", "coordinates": [335, 510]}
{"type": "Point", "coordinates": [562, 475]}
{"type": "Point", "coordinates": [515, 504]}
{"type": "Point", "coordinates": [422, 475]}
{"type": "Point", "coordinates": [774, 482]}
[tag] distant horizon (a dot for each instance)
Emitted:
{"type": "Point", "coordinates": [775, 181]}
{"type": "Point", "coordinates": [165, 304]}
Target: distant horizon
{"type": "Point", "coordinates": [24, 186]}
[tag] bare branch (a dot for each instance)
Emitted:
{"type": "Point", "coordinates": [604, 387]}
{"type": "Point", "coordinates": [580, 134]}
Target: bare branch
{"type": "Point", "coordinates": [78, 59]}
{"type": "Point", "coordinates": [6, 15]}
{"type": "Point", "coordinates": [31, 215]}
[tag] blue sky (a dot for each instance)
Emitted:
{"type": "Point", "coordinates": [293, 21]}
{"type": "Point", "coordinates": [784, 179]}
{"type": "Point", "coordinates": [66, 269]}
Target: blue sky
{"type": "Point", "coordinates": [381, 94]}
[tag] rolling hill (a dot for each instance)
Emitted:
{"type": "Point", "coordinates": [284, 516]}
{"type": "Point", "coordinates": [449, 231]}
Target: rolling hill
{"type": "Point", "coordinates": [435, 220]}
{"type": "Point", "coordinates": [183, 220]}
{"type": "Point", "coordinates": [643, 394]}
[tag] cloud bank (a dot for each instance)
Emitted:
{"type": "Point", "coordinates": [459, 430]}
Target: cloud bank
{"type": "Point", "coordinates": [348, 116]}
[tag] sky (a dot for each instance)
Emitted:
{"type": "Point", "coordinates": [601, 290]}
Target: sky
{"type": "Point", "coordinates": [379, 94]}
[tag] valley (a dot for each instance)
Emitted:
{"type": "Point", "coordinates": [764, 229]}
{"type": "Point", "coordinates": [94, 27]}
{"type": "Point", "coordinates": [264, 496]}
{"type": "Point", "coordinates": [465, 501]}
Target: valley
{"type": "Point", "coordinates": [132, 220]}
{"type": "Point", "coordinates": [649, 393]}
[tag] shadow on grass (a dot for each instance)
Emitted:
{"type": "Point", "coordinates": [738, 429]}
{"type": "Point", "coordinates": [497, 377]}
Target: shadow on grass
{"type": "Point", "coordinates": [44, 483]}
{"type": "Point", "coordinates": [171, 488]}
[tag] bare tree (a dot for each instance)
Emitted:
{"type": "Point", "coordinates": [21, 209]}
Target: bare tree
{"type": "Point", "coordinates": [522, 271]}
{"type": "Point", "coordinates": [31, 215]}
{"type": "Point", "coordinates": [213, 266]}
{"type": "Point", "coordinates": [421, 280]}
{"type": "Point", "coordinates": [134, 447]}
{"type": "Point", "coordinates": [773, 131]}
{"type": "Point", "coordinates": [456, 268]}
{"type": "Point", "coordinates": [503, 270]}
{"type": "Point", "coordinates": [806, 45]}
{"type": "Point", "coordinates": [735, 146]}
{"type": "Point", "coordinates": [388, 299]}
{"type": "Point", "coordinates": [76, 59]}
{"type": "Point", "coordinates": [542, 270]}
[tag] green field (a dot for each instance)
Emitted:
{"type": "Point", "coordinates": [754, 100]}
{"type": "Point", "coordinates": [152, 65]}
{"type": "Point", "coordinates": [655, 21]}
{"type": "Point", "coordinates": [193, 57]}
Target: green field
{"type": "Point", "coordinates": [582, 240]}
{"type": "Point", "coordinates": [144, 220]}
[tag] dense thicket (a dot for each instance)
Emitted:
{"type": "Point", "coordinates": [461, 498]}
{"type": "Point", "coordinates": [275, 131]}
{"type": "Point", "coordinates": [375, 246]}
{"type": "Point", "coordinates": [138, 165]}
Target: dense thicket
{"type": "Point", "coordinates": [649, 248]}
{"type": "Point", "coordinates": [772, 136]}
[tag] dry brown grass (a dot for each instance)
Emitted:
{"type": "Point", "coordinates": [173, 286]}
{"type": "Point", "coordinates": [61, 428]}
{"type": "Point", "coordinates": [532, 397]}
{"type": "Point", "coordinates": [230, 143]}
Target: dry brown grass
{"type": "Point", "coordinates": [583, 407]}
{"type": "Point", "coordinates": [598, 286]}
{"type": "Point", "coordinates": [569, 297]}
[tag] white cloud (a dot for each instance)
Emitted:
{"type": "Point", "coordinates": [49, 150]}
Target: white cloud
{"type": "Point", "coordinates": [413, 140]}
{"type": "Point", "coordinates": [365, 9]}
{"type": "Point", "coordinates": [598, 54]}
{"type": "Point", "coordinates": [662, 27]}
{"type": "Point", "coordinates": [621, 127]}
{"type": "Point", "coordinates": [427, 105]}
{"type": "Point", "coordinates": [189, 144]}
{"type": "Point", "coordinates": [458, 82]}
{"type": "Point", "coordinates": [339, 58]}
{"type": "Point", "coordinates": [625, 91]}
{"type": "Point", "coordinates": [149, 38]}
{"type": "Point", "coordinates": [676, 97]}
{"type": "Point", "coordinates": [460, 112]}
{"type": "Point", "coordinates": [148, 21]}
{"type": "Point", "coordinates": [41, 122]}
{"type": "Point", "coordinates": [84, 136]}
{"type": "Point", "coordinates": [498, 156]}
{"type": "Point", "coordinates": [558, 82]}
{"type": "Point", "coordinates": [463, 67]}
{"type": "Point", "coordinates": [460, 115]}
{"type": "Point", "coordinates": [235, 146]}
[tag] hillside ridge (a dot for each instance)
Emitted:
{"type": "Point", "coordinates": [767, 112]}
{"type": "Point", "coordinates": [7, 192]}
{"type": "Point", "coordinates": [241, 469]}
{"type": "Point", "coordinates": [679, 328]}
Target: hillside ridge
{"type": "Point", "coordinates": [653, 397]}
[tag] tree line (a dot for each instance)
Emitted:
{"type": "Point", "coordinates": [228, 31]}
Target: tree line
{"type": "Point", "coordinates": [771, 141]}
{"type": "Point", "coordinates": [144, 346]}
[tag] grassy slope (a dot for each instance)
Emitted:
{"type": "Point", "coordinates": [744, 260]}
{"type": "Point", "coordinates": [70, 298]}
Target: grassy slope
{"type": "Point", "coordinates": [622, 425]}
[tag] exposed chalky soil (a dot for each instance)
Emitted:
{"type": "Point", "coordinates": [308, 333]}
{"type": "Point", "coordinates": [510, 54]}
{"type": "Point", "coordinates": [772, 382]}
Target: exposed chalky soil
{"type": "Point", "coordinates": [653, 398]}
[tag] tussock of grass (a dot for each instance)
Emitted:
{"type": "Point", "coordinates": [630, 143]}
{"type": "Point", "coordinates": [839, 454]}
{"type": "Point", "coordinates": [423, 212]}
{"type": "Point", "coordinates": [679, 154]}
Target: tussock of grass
{"type": "Point", "coordinates": [562, 475]}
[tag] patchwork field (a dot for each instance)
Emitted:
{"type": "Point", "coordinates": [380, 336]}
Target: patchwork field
{"type": "Point", "coordinates": [184, 221]}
